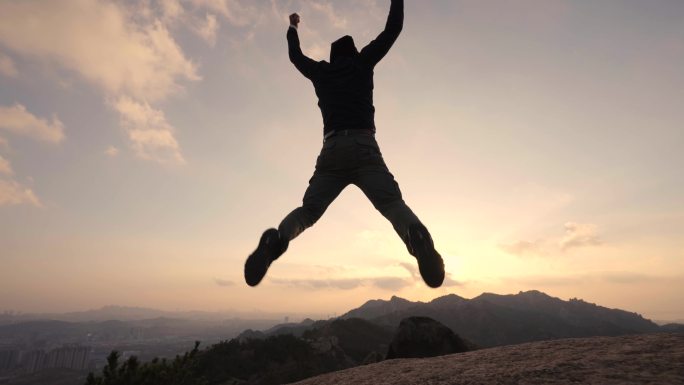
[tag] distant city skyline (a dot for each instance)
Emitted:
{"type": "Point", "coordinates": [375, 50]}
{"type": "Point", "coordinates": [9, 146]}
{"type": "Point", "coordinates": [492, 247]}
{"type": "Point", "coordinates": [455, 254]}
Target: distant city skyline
{"type": "Point", "coordinates": [144, 147]}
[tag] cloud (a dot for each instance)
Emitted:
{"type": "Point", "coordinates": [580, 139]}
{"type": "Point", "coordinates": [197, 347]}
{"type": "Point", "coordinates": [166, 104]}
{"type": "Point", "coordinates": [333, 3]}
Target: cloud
{"type": "Point", "coordinates": [574, 280]}
{"type": "Point", "coordinates": [576, 235]}
{"type": "Point", "coordinates": [171, 9]}
{"type": "Point", "coordinates": [17, 120]}
{"type": "Point", "coordinates": [207, 29]}
{"type": "Point", "coordinates": [632, 278]}
{"type": "Point", "coordinates": [384, 283]}
{"type": "Point", "coordinates": [99, 41]}
{"type": "Point", "coordinates": [223, 282]}
{"type": "Point", "coordinates": [112, 151]}
{"type": "Point", "coordinates": [389, 283]}
{"type": "Point", "coordinates": [123, 49]}
{"type": "Point", "coordinates": [449, 281]}
{"type": "Point", "coordinates": [524, 248]}
{"type": "Point", "coordinates": [5, 167]}
{"type": "Point", "coordinates": [318, 51]}
{"type": "Point", "coordinates": [13, 193]}
{"type": "Point", "coordinates": [548, 281]}
{"type": "Point", "coordinates": [7, 67]}
{"type": "Point", "coordinates": [236, 12]}
{"type": "Point", "coordinates": [392, 283]}
{"type": "Point", "coordinates": [329, 12]}
{"type": "Point", "coordinates": [412, 269]}
{"type": "Point", "coordinates": [342, 284]}
{"type": "Point", "coordinates": [173, 13]}
{"type": "Point", "coordinates": [150, 134]}
{"type": "Point", "coordinates": [579, 235]}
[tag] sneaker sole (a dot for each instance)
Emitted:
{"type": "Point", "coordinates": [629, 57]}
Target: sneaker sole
{"type": "Point", "coordinates": [259, 261]}
{"type": "Point", "coordinates": [430, 263]}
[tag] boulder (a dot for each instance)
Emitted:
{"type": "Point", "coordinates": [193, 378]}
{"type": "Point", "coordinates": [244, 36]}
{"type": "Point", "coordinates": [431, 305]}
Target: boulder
{"type": "Point", "coordinates": [372, 358]}
{"type": "Point", "coordinates": [419, 337]}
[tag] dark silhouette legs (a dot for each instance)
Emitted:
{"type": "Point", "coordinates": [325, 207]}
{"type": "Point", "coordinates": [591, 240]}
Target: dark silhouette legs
{"type": "Point", "coordinates": [357, 160]}
{"type": "Point", "coordinates": [323, 188]}
{"type": "Point", "coordinates": [344, 161]}
{"type": "Point", "coordinates": [376, 183]}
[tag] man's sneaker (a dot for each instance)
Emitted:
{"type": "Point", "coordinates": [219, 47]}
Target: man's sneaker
{"type": "Point", "coordinates": [430, 263]}
{"type": "Point", "coordinates": [270, 248]}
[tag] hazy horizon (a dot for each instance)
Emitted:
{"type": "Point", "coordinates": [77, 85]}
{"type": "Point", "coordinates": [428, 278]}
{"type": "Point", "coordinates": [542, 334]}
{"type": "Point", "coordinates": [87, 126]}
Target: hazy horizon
{"type": "Point", "coordinates": [145, 146]}
{"type": "Point", "coordinates": [294, 317]}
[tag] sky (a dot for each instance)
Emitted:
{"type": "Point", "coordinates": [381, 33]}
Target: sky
{"type": "Point", "coordinates": [145, 146]}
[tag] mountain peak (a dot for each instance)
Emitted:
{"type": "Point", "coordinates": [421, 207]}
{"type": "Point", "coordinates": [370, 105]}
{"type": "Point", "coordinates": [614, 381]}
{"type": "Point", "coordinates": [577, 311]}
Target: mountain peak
{"type": "Point", "coordinates": [449, 299]}
{"type": "Point", "coordinates": [533, 293]}
{"type": "Point", "coordinates": [377, 307]}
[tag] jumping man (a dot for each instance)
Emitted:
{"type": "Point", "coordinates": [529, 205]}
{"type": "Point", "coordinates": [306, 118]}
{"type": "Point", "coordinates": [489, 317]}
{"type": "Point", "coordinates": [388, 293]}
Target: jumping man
{"type": "Point", "coordinates": [350, 154]}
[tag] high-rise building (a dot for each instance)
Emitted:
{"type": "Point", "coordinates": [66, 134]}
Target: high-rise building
{"type": "Point", "coordinates": [9, 359]}
{"type": "Point", "coordinates": [68, 357]}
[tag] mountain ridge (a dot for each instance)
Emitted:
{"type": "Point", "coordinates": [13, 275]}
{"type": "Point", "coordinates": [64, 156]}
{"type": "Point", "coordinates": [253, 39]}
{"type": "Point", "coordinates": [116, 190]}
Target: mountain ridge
{"type": "Point", "coordinates": [495, 319]}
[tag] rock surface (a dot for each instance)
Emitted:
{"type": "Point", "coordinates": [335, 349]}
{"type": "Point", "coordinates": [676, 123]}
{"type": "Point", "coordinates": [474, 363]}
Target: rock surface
{"type": "Point", "coordinates": [419, 337]}
{"type": "Point", "coordinates": [637, 359]}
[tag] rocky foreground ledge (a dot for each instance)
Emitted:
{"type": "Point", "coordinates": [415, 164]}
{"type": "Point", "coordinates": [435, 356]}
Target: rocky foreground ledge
{"type": "Point", "coordinates": [637, 359]}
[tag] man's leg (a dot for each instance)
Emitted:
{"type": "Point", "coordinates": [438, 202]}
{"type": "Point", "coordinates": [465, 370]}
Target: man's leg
{"type": "Point", "coordinates": [378, 184]}
{"type": "Point", "coordinates": [323, 188]}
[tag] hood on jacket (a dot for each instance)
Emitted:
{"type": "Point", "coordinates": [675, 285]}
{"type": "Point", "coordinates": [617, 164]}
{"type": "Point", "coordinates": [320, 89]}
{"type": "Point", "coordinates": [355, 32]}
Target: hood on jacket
{"type": "Point", "coordinates": [343, 47]}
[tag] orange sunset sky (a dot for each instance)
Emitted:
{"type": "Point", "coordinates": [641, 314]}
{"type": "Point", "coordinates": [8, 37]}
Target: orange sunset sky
{"type": "Point", "coordinates": [145, 145]}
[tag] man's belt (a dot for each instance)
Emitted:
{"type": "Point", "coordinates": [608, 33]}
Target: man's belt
{"type": "Point", "coordinates": [356, 131]}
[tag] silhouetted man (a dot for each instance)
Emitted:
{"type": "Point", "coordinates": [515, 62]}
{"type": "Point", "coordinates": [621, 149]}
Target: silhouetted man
{"type": "Point", "coordinates": [350, 154]}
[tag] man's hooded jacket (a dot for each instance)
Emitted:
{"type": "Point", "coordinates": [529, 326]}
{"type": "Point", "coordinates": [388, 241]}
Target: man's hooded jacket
{"type": "Point", "coordinates": [344, 86]}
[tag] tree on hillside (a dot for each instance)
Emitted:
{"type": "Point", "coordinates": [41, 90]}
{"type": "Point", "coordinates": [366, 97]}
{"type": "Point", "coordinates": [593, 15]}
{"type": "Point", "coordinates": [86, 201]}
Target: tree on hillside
{"type": "Point", "coordinates": [180, 371]}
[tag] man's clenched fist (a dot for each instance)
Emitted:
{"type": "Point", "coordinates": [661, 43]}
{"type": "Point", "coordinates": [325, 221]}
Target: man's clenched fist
{"type": "Point", "coordinates": [294, 19]}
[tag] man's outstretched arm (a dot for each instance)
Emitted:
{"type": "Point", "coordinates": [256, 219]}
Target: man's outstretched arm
{"type": "Point", "coordinates": [378, 48]}
{"type": "Point", "coordinates": [304, 64]}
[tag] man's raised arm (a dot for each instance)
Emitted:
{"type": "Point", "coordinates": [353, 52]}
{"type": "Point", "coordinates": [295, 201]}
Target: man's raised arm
{"type": "Point", "coordinates": [378, 48]}
{"type": "Point", "coordinates": [304, 64]}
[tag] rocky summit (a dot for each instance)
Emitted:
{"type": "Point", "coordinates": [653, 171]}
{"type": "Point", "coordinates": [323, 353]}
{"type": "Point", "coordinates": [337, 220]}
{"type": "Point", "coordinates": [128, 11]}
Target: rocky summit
{"type": "Point", "coordinates": [637, 359]}
{"type": "Point", "coordinates": [419, 337]}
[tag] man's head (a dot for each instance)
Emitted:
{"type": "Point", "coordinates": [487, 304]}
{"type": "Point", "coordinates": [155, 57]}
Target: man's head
{"type": "Point", "coordinates": [343, 47]}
